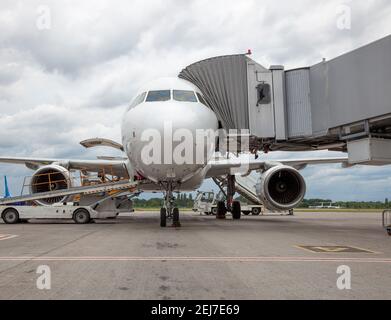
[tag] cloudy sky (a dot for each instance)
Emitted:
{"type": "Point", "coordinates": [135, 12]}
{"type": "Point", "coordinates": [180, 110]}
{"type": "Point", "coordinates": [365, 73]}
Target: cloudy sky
{"type": "Point", "coordinates": [69, 68]}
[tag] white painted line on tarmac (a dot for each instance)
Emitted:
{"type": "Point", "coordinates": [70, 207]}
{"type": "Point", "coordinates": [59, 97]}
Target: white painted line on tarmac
{"type": "Point", "coordinates": [202, 259]}
{"type": "Point", "coordinates": [7, 236]}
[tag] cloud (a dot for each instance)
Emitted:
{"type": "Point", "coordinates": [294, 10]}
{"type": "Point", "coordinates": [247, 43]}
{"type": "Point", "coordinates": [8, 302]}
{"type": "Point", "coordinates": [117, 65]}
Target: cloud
{"type": "Point", "coordinates": [73, 81]}
{"type": "Point", "coordinates": [10, 73]}
{"type": "Point", "coordinates": [52, 130]}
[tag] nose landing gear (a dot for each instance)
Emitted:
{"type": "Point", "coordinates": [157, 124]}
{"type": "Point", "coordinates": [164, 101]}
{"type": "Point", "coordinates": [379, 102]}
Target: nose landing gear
{"type": "Point", "coordinates": [169, 211]}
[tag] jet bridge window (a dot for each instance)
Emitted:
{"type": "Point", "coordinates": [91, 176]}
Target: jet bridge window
{"type": "Point", "coordinates": [184, 96]}
{"type": "Point", "coordinates": [264, 96]}
{"type": "Point", "coordinates": [139, 99]}
{"type": "Point", "coordinates": [158, 95]}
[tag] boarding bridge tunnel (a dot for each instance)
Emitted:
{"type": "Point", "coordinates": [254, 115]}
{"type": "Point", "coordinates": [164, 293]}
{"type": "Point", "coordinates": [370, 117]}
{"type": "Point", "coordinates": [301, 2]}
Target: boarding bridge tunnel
{"type": "Point", "coordinates": [341, 105]}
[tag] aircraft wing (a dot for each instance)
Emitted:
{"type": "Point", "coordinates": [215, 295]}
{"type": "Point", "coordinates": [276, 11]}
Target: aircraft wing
{"type": "Point", "coordinates": [219, 167]}
{"type": "Point", "coordinates": [117, 167]}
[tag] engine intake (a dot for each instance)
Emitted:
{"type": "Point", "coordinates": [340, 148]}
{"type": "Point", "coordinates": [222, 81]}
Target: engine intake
{"type": "Point", "coordinates": [50, 178]}
{"type": "Point", "coordinates": [281, 188]}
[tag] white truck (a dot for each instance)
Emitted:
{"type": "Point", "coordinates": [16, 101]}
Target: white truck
{"type": "Point", "coordinates": [12, 214]}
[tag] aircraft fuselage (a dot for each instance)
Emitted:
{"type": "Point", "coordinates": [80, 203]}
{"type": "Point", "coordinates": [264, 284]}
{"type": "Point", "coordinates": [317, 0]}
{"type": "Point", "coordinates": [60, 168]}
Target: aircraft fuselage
{"type": "Point", "coordinates": [163, 133]}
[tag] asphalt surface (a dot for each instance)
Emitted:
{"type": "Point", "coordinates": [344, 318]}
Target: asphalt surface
{"type": "Point", "coordinates": [254, 258]}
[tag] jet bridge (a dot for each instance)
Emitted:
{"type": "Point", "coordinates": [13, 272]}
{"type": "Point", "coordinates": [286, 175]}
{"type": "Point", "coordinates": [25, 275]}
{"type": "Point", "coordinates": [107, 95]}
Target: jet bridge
{"type": "Point", "coordinates": [342, 105]}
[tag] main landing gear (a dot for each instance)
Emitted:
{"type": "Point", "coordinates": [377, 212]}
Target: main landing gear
{"type": "Point", "coordinates": [232, 206]}
{"type": "Point", "coordinates": [169, 211]}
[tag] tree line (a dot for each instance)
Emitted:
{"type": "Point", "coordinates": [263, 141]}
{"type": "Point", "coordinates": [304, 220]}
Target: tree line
{"type": "Point", "coordinates": [347, 204]}
{"type": "Point", "coordinates": [185, 200]}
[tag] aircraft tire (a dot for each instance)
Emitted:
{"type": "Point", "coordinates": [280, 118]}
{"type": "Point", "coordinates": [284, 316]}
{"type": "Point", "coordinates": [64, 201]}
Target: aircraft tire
{"type": "Point", "coordinates": [221, 210]}
{"type": "Point", "coordinates": [236, 212]}
{"type": "Point", "coordinates": [175, 218]}
{"type": "Point", "coordinates": [175, 215]}
{"type": "Point", "coordinates": [163, 217]}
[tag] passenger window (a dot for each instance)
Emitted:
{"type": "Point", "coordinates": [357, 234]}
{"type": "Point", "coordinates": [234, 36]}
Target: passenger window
{"type": "Point", "coordinates": [139, 99]}
{"type": "Point", "coordinates": [264, 97]}
{"type": "Point", "coordinates": [201, 99]}
{"type": "Point", "coordinates": [159, 95]}
{"type": "Point", "coordinates": [184, 96]}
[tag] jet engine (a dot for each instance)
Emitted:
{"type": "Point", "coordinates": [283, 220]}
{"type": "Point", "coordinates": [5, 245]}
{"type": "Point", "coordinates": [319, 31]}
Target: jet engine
{"type": "Point", "coordinates": [50, 178]}
{"type": "Point", "coordinates": [281, 188]}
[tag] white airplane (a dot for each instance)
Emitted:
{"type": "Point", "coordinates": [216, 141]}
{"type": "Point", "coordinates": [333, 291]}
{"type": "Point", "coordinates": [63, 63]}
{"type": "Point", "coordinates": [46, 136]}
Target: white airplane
{"type": "Point", "coordinates": [322, 206]}
{"type": "Point", "coordinates": [178, 105]}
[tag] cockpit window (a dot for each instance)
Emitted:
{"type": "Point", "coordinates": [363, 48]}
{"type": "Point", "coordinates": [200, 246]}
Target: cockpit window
{"type": "Point", "coordinates": [201, 99]}
{"type": "Point", "coordinates": [139, 99]}
{"type": "Point", "coordinates": [159, 95]}
{"type": "Point", "coordinates": [184, 96]}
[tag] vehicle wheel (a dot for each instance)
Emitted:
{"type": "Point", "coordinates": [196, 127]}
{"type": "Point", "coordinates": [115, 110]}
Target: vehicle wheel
{"type": "Point", "coordinates": [163, 217]}
{"type": "Point", "coordinates": [389, 231]}
{"type": "Point", "coordinates": [246, 213]}
{"type": "Point", "coordinates": [214, 211]}
{"type": "Point", "coordinates": [221, 210]}
{"type": "Point", "coordinates": [10, 216]}
{"type": "Point", "coordinates": [255, 211]}
{"type": "Point", "coordinates": [81, 216]}
{"type": "Point", "coordinates": [236, 212]}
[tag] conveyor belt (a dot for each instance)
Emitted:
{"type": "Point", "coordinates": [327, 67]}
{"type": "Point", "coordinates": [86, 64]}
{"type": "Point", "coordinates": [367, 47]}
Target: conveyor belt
{"type": "Point", "coordinates": [105, 187]}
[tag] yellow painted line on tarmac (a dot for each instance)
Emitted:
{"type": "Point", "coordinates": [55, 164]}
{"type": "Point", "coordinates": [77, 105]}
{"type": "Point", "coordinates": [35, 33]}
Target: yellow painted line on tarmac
{"type": "Point", "coordinates": [201, 259]}
{"type": "Point", "coordinates": [335, 249]}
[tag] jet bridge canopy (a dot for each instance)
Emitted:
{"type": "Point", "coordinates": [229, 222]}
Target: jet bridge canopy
{"type": "Point", "coordinates": [318, 107]}
{"type": "Point", "coordinates": [223, 82]}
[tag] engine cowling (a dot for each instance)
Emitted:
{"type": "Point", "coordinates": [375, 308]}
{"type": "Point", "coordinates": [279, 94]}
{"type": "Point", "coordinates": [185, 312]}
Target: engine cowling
{"type": "Point", "coordinates": [281, 188]}
{"type": "Point", "coordinates": [50, 178]}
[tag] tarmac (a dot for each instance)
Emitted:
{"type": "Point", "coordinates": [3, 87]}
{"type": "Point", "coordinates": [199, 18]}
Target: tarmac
{"type": "Point", "coordinates": [257, 257]}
